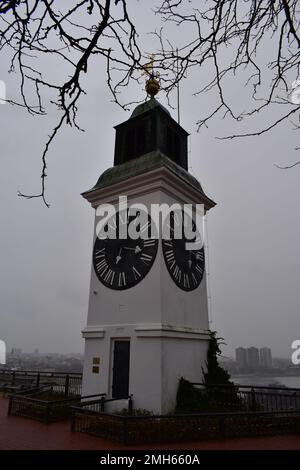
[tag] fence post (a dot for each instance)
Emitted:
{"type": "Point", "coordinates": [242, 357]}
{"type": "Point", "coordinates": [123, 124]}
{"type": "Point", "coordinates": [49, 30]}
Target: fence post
{"type": "Point", "coordinates": [253, 400]}
{"type": "Point", "coordinates": [67, 385]}
{"type": "Point", "coordinates": [13, 378]}
{"type": "Point", "coordinates": [296, 401]}
{"type": "Point", "coordinates": [130, 405]}
{"type": "Point", "coordinates": [10, 405]}
{"type": "Point", "coordinates": [38, 379]}
{"type": "Point", "coordinates": [80, 385]}
{"type": "Point", "coordinates": [102, 404]}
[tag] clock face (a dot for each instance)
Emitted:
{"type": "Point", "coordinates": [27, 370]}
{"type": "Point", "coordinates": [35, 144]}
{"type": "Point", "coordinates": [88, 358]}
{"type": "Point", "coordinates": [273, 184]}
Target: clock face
{"type": "Point", "coordinates": [186, 267]}
{"type": "Point", "coordinates": [122, 263]}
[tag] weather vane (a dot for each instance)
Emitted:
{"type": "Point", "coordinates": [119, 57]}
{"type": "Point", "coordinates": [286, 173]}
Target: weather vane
{"type": "Point", "coordinates": [152, 83]}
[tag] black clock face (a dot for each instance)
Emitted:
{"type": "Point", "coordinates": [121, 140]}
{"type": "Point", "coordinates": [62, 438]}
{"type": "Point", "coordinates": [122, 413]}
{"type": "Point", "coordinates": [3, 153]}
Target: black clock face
{"type": "Point", "coordinates": [122, 263]}
{"type": "Point", "coordinates": [186, 267]}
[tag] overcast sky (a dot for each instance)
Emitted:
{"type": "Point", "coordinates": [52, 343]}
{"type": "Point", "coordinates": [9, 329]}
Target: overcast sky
{"type": "Point", "coordinates": [254, 231]}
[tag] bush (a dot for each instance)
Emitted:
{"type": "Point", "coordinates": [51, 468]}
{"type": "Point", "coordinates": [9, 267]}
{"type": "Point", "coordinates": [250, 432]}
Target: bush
{"type": "Point", "coordinates": [191, 399]}
{"type": "Point", "coordinates": [135, 412]}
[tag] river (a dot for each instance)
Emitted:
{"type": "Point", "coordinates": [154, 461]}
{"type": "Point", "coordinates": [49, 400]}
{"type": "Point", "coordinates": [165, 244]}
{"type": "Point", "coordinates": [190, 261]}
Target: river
{"type": "Point", "coordinates": [288, 381]}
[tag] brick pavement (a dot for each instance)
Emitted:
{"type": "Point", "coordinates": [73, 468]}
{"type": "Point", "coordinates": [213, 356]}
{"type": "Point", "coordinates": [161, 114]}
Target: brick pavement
{"type": "Point", "coordinates": [25, 434]}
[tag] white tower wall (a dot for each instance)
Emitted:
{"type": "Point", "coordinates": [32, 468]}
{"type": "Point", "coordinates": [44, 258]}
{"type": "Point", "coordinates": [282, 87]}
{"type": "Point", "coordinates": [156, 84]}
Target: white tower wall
{"type": "Point", "coordinates": [167, 327]}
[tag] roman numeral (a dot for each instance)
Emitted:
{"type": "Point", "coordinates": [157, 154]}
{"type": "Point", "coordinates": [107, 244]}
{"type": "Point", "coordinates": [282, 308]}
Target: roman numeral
{"type": "Point", "coordinates": [170, 244]}
{"type": "Point", "coordinates": [194, 279]}
{"type": "Point", "coordinates": [100, 253]}
{"type": "Point", "coordinates": [199, 269]}
{"type": "Point", "coordinates": [170, 256]}
{"type": "Point", "coordinates": [109, 277]}
{"type": "Point", "coordinates": [177, 273]}
{"type": "Point", "coordinates": [200, 255]}
{"type": "Point", "coordinates": [100, 265]}
{"type": "Point", "coordinates": [101, 273]}
{"type": "Point", "coordinates": [122, 279]}
{"type": "Point", "coordinates": [136, 273]}
{"type": "Point", "coordinates": [186, 280]}
{"type": "Point", "coordinates": [149, 242]}
{"type": "Point", "coordinates": [146, 258]}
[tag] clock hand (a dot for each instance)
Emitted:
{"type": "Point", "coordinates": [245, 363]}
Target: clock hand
{"type": "Point", "coordinates": [119, 257]}
{"type": "Point", "coordinates": [190, 260]}
{"type": "Point", "coordinates": [137, 249]}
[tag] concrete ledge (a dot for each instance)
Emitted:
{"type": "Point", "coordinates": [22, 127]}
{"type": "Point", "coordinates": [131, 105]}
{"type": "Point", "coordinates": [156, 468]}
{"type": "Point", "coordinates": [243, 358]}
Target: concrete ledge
{"type": "Point", "coordinates": [169, 331]}
{"type": "Point", "coordinates": [93, 332]}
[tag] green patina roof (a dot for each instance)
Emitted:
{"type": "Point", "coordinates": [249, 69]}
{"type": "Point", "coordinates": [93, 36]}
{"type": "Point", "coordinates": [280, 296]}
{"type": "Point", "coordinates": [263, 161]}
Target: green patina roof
{"type": "Point", "coordinates": [143, 164]}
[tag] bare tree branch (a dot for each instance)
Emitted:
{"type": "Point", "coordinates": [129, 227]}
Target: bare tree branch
{"type": "Point", "coordinates": [31, 29]}
{"type": "Point", "coordinates": [287, 167]}
{"type": "Point", "coordinates": [223, 42]}
{"type": "Point", "coordinates": [227, 38]}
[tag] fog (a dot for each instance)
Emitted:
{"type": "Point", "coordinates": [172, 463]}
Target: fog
{"type": "Point", "coordinates": [253, 232]}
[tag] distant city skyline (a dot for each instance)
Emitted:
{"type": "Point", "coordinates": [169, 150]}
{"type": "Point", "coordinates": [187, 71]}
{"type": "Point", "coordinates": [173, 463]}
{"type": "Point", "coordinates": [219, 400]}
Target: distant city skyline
{"type": "Point", "coordinates": [66, 353]}
{"type": "Point", "coordinates": [254, 358]}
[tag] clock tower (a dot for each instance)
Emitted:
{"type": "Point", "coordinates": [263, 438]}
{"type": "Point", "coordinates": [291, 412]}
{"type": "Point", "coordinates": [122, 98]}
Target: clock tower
{"type": "Point", "coordinates": [147, 323]}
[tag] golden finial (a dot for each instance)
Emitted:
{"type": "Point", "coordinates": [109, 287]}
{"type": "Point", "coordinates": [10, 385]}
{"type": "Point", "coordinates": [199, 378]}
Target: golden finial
{"type": "Point", "coordinates": [152, 86]}
{"type": "Point", "coordinates": [152, 83]}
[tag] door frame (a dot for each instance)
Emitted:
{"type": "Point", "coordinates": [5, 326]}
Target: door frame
{"type": "Point", "coordinates": [111, 371]}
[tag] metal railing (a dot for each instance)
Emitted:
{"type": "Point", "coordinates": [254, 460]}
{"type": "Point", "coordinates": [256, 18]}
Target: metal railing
{"type": "Point", "coordinates": [98, 406]}
{"type": "Point", "coordinates": [86, 415]}
{"type": "Point", "coordinates": [238, 411]}
{"type": "Point", "coordinates": [65, 383]}
{"type": "Point", "coordinates": [32, 405]}
{"type": "Point", "coordinates": [38, 404]}
{"type": "Point", "coordinates": [183, 427]}
{"type": "Point", "coordinates": [251, 397]}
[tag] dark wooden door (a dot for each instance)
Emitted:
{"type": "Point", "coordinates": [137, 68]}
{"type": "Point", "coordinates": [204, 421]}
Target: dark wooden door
{"type": "Point", "coordinates": [120, 383]}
